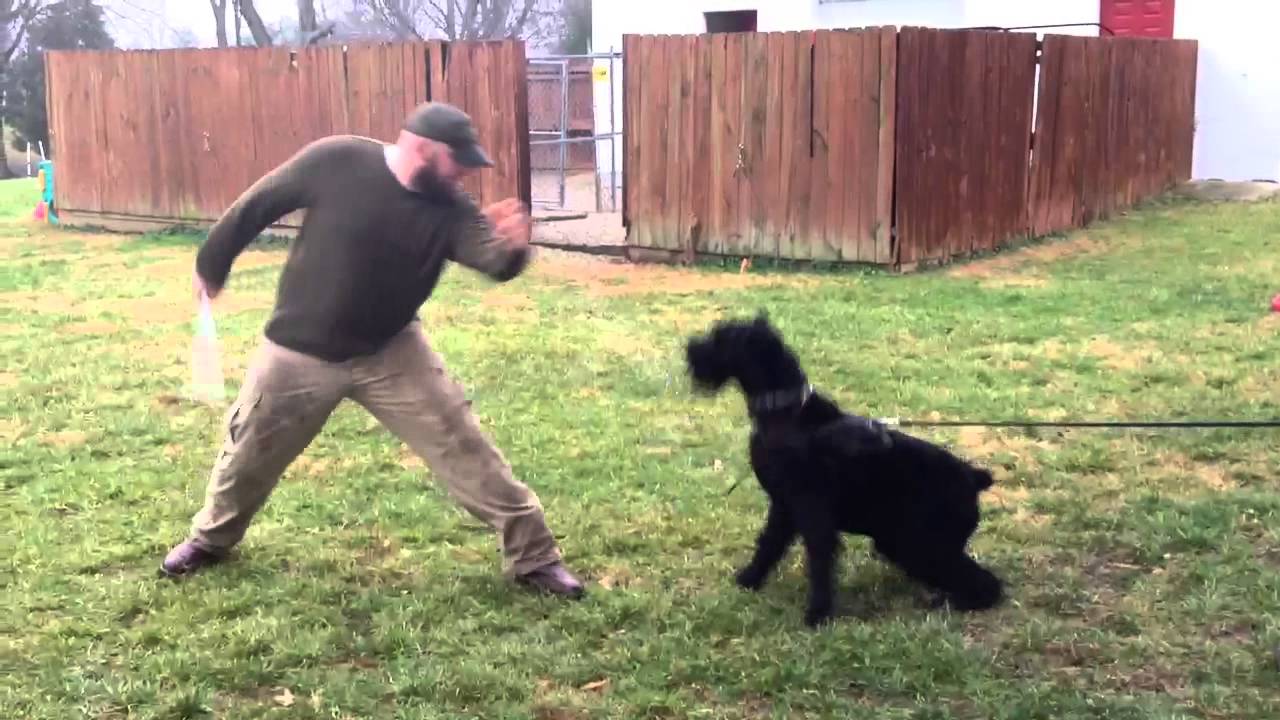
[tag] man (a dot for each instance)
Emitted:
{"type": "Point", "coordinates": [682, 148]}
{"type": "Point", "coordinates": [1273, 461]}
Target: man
{"type": "Point", "coordinates": [381, 222]}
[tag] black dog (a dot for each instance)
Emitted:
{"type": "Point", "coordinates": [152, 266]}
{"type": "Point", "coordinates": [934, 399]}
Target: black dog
{"type": "Point", "coordinates": [827, 472]}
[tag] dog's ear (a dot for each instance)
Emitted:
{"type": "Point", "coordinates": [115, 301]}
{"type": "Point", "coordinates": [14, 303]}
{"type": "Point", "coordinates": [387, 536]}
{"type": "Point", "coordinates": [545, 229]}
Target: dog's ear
{"type": "Point", "coordinates": [762, 318]}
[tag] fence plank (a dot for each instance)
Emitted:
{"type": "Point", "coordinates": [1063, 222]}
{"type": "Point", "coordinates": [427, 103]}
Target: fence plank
{"type": "Point", "coordinates": [785, 49]}
{"type": "Point", "coordinates": [796, 141]}
{"type": "Point", "coordinates": [840, 146]}
{"type": "Point", "coordinates": [359, 73]}
{"type": "Point", "coordinates": [755, 111]}
{"type": "Point", "coordinates": [847, 147]}
{"type": "Point", "coordinates": [649, 157]}
{"type": "Point", "coordinates": [719, 165]}
{"type": "Point", "coordinates": [672, 140]}
{"type": "Point", "coordinates": [822, 243]}
{"type": "Point", "coordinates": [632, 90]}
{"type": "Point", "coordinates": [654, 121]}
{"type": "Point", "coordinates": [867, 126]}
{"type": "Point", "coordinates": [1044, 150]}
{"type": "Point", "coordinates": [480, 88]}
{"type": "Point", "coordinates": [497, 87]}
{"type": "Point", "coordinates": [679, 144]}
{"type": "Point", "coordinates": [909, 144]}
{"type": "Point", "coordinates": [82, 191]}
{"type": "Point", "coordinates": [388, 110]}
{"type": "Point", "coordinates": [699, 191]}
{"type": "Point", "coordinates": [517, 66]}
{"type": "Point", "coordinates": [689, 122]}
{"type": "Point", "coordinates": [981, 163]}
{"type": "Point", "coordinates": [737, 183]}
{"type": "Point", "coordinates": [167, 92]}
{"type": "Point", "coordinates": [886, 113]}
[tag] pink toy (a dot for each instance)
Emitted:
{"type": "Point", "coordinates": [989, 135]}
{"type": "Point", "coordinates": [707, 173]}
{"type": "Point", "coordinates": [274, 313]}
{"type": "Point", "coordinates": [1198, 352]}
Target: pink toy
{"type": "Point", "coordinates": [1275, 304]}
{"type": "Point", "coordinates": [40, 210]}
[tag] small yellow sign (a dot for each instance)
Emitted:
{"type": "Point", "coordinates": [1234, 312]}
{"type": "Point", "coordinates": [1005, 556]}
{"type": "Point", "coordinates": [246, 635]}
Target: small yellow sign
{"type": "Point", "coordinates": [600, 73]}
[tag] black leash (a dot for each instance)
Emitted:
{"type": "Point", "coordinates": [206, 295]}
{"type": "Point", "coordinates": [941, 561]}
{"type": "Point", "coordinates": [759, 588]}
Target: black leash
{"type": "Point", "coordinates": [896, 422]}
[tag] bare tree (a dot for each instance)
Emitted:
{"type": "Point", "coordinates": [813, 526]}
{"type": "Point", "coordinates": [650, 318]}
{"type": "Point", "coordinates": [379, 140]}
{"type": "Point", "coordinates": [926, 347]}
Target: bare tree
{"type": "Point", "coordinates": [183, 37]}
{"type": "Point", "coordinates": [307, 22]}
{"type": "Point", "coordinates": [310, 29]}
{"type": "Point", "coordinates": [457, 19]}
{"type": "Point", "coordinates": [261, 36]}
{"type": "Point", "coordinates": [15, 17]}
{"type": "Point", "coordinates": [220, 17]}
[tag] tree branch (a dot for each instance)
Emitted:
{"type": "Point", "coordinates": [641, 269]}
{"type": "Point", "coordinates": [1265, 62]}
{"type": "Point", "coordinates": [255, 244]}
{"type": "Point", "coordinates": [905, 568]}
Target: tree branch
{"type": "Point", "coordinates": [19, 14]}
{"type": "Point", "coordinates": [219, 8]}
{"type": "Point", "coordinates": [307, 22]}
{"type": "Point", "coordinates": [261, 36]}
{"type": "Point", "coordinates": [518, 24]}
{"type": "Point", "coordinates": [440, 17]}
{"type": "Point", "coordinates": [468, 29]}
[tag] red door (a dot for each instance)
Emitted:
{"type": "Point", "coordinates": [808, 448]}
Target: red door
{"type": "Point", "coordinates": [1138, 18]}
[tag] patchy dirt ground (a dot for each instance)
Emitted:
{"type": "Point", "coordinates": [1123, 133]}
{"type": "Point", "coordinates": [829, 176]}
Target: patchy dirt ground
{"type": "Point", "coordinates": [610, 276]}
{"type": "Point", "coordinates": [1017, 268]}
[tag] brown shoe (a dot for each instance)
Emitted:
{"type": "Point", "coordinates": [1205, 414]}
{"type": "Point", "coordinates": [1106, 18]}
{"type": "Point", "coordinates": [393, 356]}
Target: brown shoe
{"type": "Point", "coordinates": [554, 579]}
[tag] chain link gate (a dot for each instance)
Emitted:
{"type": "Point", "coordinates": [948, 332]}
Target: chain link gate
{"type": "Point", "coordinates": [573, 169]}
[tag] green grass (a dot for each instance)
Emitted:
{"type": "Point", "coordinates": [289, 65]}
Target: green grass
{"type": "Point", "coordinates": [1143, 566]}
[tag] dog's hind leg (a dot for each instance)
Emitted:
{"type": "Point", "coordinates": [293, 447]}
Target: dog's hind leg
{"type": "Point", "coordinates": [965, 584]}
{"type": "Point", "coordinates": [772, 544]}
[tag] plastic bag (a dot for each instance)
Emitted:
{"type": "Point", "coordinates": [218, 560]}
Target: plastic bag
{"type": "Point", "coordinates": [207, 383]}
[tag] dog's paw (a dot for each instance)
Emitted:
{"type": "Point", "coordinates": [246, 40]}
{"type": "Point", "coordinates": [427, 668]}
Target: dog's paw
{"type": "Point", "coordinates": [750, 578]}
{"type": "Point", "coordinates": [817, 617]}
{"type": "Point", "coordinates": [934, 601]}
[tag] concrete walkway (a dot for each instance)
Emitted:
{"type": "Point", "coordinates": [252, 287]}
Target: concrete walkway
{"type": "Point", "coordinates": [1223, 191]}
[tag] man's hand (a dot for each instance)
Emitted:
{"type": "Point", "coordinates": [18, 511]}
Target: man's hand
{"type": "Point", "coordinates": [200, 288]}
{"type": "Point", "coordinates": [510, 221]}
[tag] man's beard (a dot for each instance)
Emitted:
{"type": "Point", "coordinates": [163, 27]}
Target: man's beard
{"type": "Point", "coordinates": [427, 179]}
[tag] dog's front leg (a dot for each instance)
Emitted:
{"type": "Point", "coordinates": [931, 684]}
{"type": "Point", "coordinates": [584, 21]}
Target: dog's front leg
{"type": "Point", "coordinates": [779, 530]}
{"type": "Point", "coordinates": [822, 545]}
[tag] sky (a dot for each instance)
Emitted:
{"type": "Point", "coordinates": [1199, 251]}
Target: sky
{"type": "Point", "coordinates": [136, 24]}
{"type": "Point", "coordinates": [151, 23]}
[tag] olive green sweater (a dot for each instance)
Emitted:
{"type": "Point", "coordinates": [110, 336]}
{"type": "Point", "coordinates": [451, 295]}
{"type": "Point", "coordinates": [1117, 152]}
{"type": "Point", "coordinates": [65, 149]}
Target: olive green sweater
{"type": "Point", "coordinates": [369, 251]}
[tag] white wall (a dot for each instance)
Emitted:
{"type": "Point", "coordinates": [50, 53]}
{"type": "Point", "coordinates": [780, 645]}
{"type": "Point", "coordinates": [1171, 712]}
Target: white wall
{"type": "Point", "coordinates": [1018, 13]}
{"type": "Point", "coordinates": [1237, 87]}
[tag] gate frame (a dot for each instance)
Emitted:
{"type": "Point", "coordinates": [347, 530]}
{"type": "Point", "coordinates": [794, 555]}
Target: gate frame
{"type": "Point", "coordinates": [562, 139]}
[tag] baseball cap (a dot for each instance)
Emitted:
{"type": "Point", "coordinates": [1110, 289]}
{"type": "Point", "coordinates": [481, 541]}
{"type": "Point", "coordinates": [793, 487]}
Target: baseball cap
{"type": "Point", "coordinates": [445, 123]}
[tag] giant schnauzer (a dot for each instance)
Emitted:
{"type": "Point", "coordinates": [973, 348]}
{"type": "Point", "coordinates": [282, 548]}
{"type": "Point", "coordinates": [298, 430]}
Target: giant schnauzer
{"type": "Point", "coordinates": [826, 472]}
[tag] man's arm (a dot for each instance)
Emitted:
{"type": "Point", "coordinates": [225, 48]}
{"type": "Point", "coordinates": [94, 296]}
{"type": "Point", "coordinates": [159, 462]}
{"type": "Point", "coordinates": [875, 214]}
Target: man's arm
{"type": "Point", "coordinates": [494, 241]}
{"type": "Point", "coordinates": [278, 193]}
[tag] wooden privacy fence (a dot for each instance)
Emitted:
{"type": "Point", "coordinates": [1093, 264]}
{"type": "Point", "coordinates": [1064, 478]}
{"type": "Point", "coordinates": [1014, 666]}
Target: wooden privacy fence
{"type": "Point", "coordinates": [760, 144]}
{"type": "Point", "coordinates": [1115, 126]}
{"type": "Point", "coordinates": [177, 135]}
{"type": "Point", "coordinates": [893, 147]}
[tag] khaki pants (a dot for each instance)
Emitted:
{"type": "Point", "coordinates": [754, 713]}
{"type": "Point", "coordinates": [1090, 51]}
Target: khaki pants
{"type": "Point", "coordinates": [286, 399]}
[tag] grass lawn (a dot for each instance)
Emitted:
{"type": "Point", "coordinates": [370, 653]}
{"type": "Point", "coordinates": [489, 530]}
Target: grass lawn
{"type": "Point", "coordinates": [1144, 567]}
